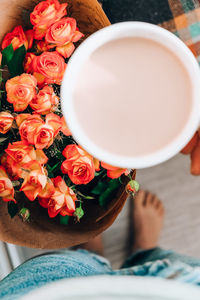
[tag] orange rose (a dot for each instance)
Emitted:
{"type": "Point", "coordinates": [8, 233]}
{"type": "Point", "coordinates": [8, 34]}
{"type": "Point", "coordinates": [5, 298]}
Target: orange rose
{"type": "Point", "coordinates": [35, 180]}
{"type": "Point", "coordinates": [79, 165]}
{"type": "Point", "coordinates": [45, 102]}
{"type": "Point", "coordinates": [41, 157]}
{"type": "Point", "coordinates": [18, 38]}
{"type": "Point", "coordinates": [65, 130]}
{"type": "Point", "coordinates": [62, 34]}
{"type": "Point", "coordinates": [114, 172]}
{"type": "Point", "coordinates": [42, 46]}
{"type": "Point", "coordinates": [28, 68]}
{"type": "Point", "coordinates": [48, 191]}
{"type": "Point", "coordinates": [7, 163]}
{"type": "Point", "coordinates": [45, 14]}
{"type": "Point", "coordinates": [34, 130]}
{"type": "Point", "coordinates": [44, 134]}
{"type": "Point", "coordinates": [27, 124]}
{"type": "Point", "coordinates": [49, 68]}
{"type": "Point", "coordinates": [55, 122]}
{"type": "Point", "coordinates": [30, 37]}
{"type": "Point", "coordinates": [21, 90]}
{"type": "Point", "coordinates": [66, 50]}
{"type": "Point", "coordinates": [0, 58]}
{"type": "Point", "coordinates": [19, 154]}
{"type": "Point", "coordinates": [96, 164]}
{"type": "Point", "coordinates": [6, 187]}
{"type": "Point", "coordinates": [62, 201]}
{"type": "Point", "coordinates": [6, 121]}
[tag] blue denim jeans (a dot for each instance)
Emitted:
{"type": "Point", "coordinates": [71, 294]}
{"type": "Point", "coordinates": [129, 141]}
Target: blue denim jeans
{"type": "Point", "coordinates": [47, 268]}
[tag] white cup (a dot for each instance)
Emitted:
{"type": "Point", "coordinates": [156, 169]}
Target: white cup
{"type": "Point", "coordinates": [121, 30]}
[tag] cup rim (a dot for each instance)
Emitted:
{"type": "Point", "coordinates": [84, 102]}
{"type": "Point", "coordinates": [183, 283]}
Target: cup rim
{"type": "Point", "coordinates": [116, 31]}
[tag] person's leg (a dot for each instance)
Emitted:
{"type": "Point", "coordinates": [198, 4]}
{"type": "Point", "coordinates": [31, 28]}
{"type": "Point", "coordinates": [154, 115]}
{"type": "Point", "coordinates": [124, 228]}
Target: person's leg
{"type": "Point", "coordinates": [148, 216]}
{"type": "Point", "coordinates": [148, 259]}
{"type": "Point", "coordinates": [51, 267]}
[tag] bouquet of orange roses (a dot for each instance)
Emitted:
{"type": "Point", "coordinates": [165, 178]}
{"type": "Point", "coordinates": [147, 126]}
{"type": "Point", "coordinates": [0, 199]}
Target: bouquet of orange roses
{"type": "Point", "coordinates": [39, 158]}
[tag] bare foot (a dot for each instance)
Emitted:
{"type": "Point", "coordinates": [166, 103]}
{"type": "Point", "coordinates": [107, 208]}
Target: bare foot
{"type": "Point", "coordinates": [94, 245]}
{"type": "Point", "coordinates": [148, 215]}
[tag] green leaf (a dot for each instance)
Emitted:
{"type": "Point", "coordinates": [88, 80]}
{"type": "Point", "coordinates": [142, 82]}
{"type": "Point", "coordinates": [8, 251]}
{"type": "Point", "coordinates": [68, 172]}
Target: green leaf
{"type": "Point", "coordinates": [16, 65]}
{"type": "Point", "coordinates": [7, 55]}
{"type": "Point", "coordinates": [14, 59]}
{"type": "Point", "coordinates": [12, 209]}
{"type": "Point", "coordinates": [55, 166]}
{"type": "Point", "coordinates": [105, 197]}
{"type": "Point", "coordinates": [114, 183]}
{"type": "Point", "coordinates": [64, 220]}
{"type": "Point", "coordinates": [99, 188]}
{"type": "Point", "coordinates": [49, 170]}
{"type": "Point", "coordinates": [109, 193]}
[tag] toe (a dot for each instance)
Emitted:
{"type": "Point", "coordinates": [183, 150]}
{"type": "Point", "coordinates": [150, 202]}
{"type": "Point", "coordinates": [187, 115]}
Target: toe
{"type": "Point", "coordinates": [161, 208]}
{"type": "Point", "coordinates": [149, 198]}
{"type": "Point", "coordinates": [139, 198]}
{"type": "Point", "coordinates": [156, 202]}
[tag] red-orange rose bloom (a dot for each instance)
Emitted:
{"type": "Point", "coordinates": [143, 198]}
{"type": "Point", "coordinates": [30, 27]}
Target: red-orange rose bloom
{"type": "Point", "coordinates": [35, 131]}
{"type": "Point", "coordinates": [45, 102]}
{"type": "Point", "coordinates": [6, 121]}
{"type": "Point", "coordinates": [114, 172]}
{"type": "Point", "coordinates": [21, 90]}
{"type": "Point", "coordinates": [35, 180]}
{"type": "Point", "coordinates": [28, 68]}
{"type": "Point", "coordinates": [19, 154]}
{"type": "Point", "coordinates": [49, 68]}
{"type": "Point", "coordinates": [42, 46]}
{"type": "Point", "coordinates": [62, 201]}
{"type": "Point", "coordinates": [79, 165]}
{"type": "Point", "coordinates": [27, 124]}
{"type": "Point", "coordinates": [30, 37]}
{"type": "Point", "coordinates": [6, 187]}
{"type": "Point", "coordinates": [7, 163]}
{"type": "Point", "coordinates": [62, 34]}
{"type": "Point", "coordinates": [65, 130]}
{"type": "Point", "coordinates": [44, 134]}
{"type": "Point", "coordinates": [18, 38]}
{"type": "Point", "coordinates": [45, 14]}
